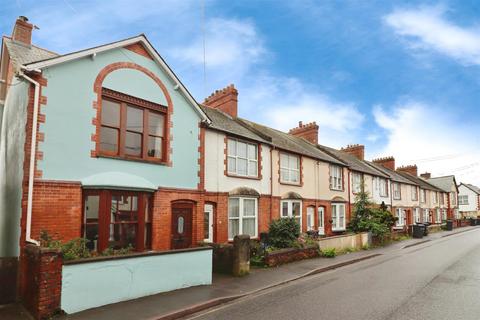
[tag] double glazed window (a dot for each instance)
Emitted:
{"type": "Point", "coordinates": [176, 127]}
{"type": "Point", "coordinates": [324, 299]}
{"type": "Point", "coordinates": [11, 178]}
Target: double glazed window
{"type": "Point", "coordinates": [423, 195]}
{"type": "Point", "coordinates": [463, 200]}
{"type": "Point", "coordinates": [453, 198]}
{"type": "Point", "coordinates": [242, 158]}
{"type": "Point", "coordinates": [438, 216]}
{"type": "Point", "coordinates": [242, 217]}
{"type": "Point", "coordinates": [383, 187]}
{"type": "Point", "coordinates": [414, 193]}
{"type": "Point", "coordinates": [310, 218]}
{"type": "Point", "coordinates": [292, 208]}
{"type": "Point", "coordinates": [356, 182]}
{"type": "Point", "coordinates": [400, 217]}
{"type": "Point", "coordinates": [416, 215]}
{"type": "Point", "coordinates": [131, 127]}
{"type": "Point", "coordinates": [426, 215]}
{"type": "Point", "coordinates": [336, 177]}
{"type": "Point", "coordinates": [442, 198]}
{"type": "Point", "coordinates": [396, 191]}
{"type": "Point", "coordinates": [434, 196]}
{"type": "Point", "coordinates": [289, 168]}
{"type": "Point", "coordinates": [338, 217]}
{"type": "Point", "coordinates": [117, 219]}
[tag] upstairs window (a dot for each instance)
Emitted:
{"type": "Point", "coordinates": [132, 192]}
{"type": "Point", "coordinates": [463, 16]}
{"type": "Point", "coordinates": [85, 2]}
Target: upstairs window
{"type": "Point", "coordinates": [356, 182]}
{"type": "Point", "coordinates": [453, 198]}
{"type": "Point", "coordinates": [442, 198]}
{"type": "Point", "coordinates": [396, 191]}
{"type": "Point", "coordinates": [242, 158]}
{"type": "Point", "coordinates": [289, 168]}
{"type": "Point", "coordinates": [131, 128]}
{"type": "Point", "coordinates": [434, 197]}
{"type": "Point", "coordinates": [383, 187]}
{"type": "Point", "coordinates": [336, 177]}
{"type": "Point", "coordinates": [463, 200]}
{"type": "Point", "coordinates": [423, 195]}
{"type": "Point", "coordinates": [414, 193]}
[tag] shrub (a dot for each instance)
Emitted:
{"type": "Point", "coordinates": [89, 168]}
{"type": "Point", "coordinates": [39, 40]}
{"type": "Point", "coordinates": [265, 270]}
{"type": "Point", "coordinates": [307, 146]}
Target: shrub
{"type": "Point", "coordinates": [283, 232]}
{"type": "Point", "coordinates": [329, 252]}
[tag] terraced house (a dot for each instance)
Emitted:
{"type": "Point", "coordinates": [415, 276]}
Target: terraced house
{"type": "Point", "coordinates": [468, 200]}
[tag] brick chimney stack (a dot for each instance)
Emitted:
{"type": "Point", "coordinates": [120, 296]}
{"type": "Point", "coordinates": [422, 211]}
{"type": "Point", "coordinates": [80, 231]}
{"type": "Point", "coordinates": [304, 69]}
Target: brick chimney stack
{"type": "Point", "coordinates": [22, 31]}
{"type": "Point", "coordinates": [412, 169]}
{"type": "Point", "coordinates": [307, 131]}
{"type": "Point", "coordinates": [387, 162]}
{"type": "Point", "coordinates": [357, 150]}
{"type": "Point", "coordinates": [225, 100]}
{"type": "Point", "coordinates": [426, 175]}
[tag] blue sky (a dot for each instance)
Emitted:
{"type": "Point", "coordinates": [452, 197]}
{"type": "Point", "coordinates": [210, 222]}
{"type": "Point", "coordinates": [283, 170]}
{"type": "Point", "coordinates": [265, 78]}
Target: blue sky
{"type": "Point", "coordinates": [400, 77]}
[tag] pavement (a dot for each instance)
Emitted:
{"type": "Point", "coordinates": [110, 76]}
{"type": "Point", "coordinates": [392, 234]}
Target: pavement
{"type": "Point", "coordinates": [437, 279]}
{"type": "Point", "coordinates": [227, 289]}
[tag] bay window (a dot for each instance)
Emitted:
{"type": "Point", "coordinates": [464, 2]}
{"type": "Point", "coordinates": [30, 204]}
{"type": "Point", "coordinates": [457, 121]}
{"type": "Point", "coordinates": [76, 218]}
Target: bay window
{"type": "Point", "coordinates": [116, 219]}
{"type": "Point", "coordinates": [131, 128]}
{"type": "Point", "coordinates": [242, 217]}
{"type": "Point", "coordinates": [242, 158]}
{"type": "Point", "coordinates": [292, 209]}
{"type": "Point", "coordinates": [338, 217]}
{"type": "Point", "coordinates": [396, 191]}
{"type": "Point", "coordinates": [356, 182]}
{"type": "Point", "coordinates": [289, 168]}
{"type": "Point", "coordinates": [336, 177]}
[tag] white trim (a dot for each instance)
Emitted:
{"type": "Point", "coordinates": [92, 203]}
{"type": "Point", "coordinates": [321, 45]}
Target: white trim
{"type": "Point", "coordinates": [310, 218]}
{"type": "Point", "coordinates": [290, 210]}
{"type": "Point", "coordinates": [37, 66]}
{"type": "Point", "coordinates": [337, 217]}
{"type": "Point", "coordinates": [240, 216]}
{"type": "Point", "coordinates": [208, 208]}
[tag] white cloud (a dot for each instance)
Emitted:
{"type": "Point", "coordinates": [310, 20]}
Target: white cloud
{"type": "Point", "coordinates": [427, 28]}
{"type": "Point", "coordinates": [419, 134]}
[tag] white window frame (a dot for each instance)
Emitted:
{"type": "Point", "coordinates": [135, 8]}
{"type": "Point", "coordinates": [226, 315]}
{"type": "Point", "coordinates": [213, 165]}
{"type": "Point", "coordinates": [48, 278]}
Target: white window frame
{"type": "Point", "coordinates": [442, 198]}
{"type": "Point", "coordinates": [426, 215]}
{"type": "Point", "coordinates": [383, 192]}
{"type": "Point", "coordinates": [438, 215]}
{"type": "Point", "coordinates": [356, 182]}
{"type": "Point", "coordinates": [423, 195]}
{"type": "Point", "coordinates": [336, 177]}
{"type": "Point", "coordinates": [286, 168]}
{"type": "Point", "coordinates": [290, 203]}
{"type": "Point", "coordinates": [444, 214]}
{"type": "Point", "coordinates": [233, 156]}
{"type": "Point", "coordinates": [396, 189]}
{"type": "Point", "coordinates": [336, 217]}
{"type": "Point", "coordinates": [434, 196]}
{"type": "Point", "coordinates": [462, 200]}
{"type": "Point", "coordinates": [208, 208]}
{"type": "Point", "coordinates": [400, 213]}
{"type": "Point", "coordinates": [453, 201]}
{"type": "Point", "coordinates": [310, 218]}
{"type": "Point", "coordinates": [414, 191]}
{"type": "Point", "coordinates": [241, 216]}
{"type": "Point", "coordinates": [416, 215]}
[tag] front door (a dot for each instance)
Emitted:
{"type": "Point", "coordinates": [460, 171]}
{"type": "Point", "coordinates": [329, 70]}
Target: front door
{"type": "Point", "coordinates": [181, 226]}
{"type": "Point", "coordinates": [321, 221]}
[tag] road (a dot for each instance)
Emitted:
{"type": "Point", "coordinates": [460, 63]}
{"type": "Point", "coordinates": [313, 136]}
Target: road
{"type": "Point", "coordinates": [435, 280]}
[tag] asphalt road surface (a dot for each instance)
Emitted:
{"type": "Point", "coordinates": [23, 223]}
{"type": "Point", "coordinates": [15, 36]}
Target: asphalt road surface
{"type": "Point", "coordinates": [435, 280]}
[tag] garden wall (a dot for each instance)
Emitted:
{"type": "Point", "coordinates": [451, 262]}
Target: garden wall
{"type": "Point", "coordinates": [95, 282]}
{"type": "Point", "coordinates": [345, 241]}
{"type": "Point", "coordinates": [281, 256]}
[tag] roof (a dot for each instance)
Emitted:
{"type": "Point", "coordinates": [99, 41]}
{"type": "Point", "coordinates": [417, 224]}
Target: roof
{"type": "Point", "coordinates": [444, 183]}
{"type": "Point", "coordinates": [292, 143]}
{"type": "Point", "coordinates": [471, 187]}
{"type": "Point", "coordinates": [224, 122]}
{"type": "Point", "coordinates": [353, 162]}
{"type": "Point", "coordinates": [22, 54]}
{"type": "Point", "coordinates": [395, 176]}
{"type": "Point", "coordinates": [58, 59]}
{"type": "Point", "coordinates": [419, 181]}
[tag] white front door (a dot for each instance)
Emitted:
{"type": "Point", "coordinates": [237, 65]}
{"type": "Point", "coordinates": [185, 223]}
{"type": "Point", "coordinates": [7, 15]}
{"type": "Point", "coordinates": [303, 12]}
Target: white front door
{"type": "Point", "coordinates": [321, 221]}
{"type": "Point", "coordinates": [208, 223]}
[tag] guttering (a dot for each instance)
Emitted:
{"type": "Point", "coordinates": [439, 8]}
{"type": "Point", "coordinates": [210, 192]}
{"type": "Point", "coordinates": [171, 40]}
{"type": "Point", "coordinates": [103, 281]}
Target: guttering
{"type": "Point", "coordinates": [33, 151]}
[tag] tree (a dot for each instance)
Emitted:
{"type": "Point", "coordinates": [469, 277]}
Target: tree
{"type": "Point", "coordinates": [366, 217]}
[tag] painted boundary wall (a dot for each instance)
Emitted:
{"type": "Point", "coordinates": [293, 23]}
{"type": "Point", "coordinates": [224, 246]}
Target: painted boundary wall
{"type": "Point", "coordinates": [346, 241]}
{"type": "Point", "coordinates": [88, 283]}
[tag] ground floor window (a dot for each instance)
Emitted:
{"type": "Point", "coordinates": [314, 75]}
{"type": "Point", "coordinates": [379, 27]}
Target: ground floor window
{"type": "Point", "coordinates": [338, 217]}
{"type": "Point", "coordinates": [242, 217]}
{"type": "Point", "coordinates": [400, 217]}
{"type": "Point", "coordinates": [426, 215]}
{"type": "Point", "coordinates": [310, 218]}
{"type": "Point", "coordinates": [416, 215]}
{"type": "Point", "coordinates": [208, 223]}
{"type": "Point", "coordinates": [292, 208]}
{"type": "Point", "coordinates": [438, 215]}
{"type": "Point", "coordinates": [444, 214]}
{"type": "Point", "coordinates": [117, 219]}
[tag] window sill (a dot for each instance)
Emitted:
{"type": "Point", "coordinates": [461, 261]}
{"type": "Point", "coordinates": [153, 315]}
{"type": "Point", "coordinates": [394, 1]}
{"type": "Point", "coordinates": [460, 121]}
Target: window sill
{"type": "Point", "coordinates": [134, 159]}
{"type": "Point", "coordinates": [242, 177]}
{"type": "Point", "coordinates": [397, 198]}
{"type": "Point", "coordinates": [339, 230]}
{"type": "Point", "coordinates": [339, 190]}
{"type": "Point", "coordinates": [291, 184]}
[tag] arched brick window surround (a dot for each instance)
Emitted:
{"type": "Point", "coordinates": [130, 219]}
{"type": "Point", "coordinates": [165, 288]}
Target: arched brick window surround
{"type": "Point", "coordinates": [97, 104]}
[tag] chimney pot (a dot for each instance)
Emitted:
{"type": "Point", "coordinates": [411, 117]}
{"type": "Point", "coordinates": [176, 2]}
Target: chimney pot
{"type": "Point", "coordinates": [225, 100]}
{"type": "Point", "coordinates": [387, 162]}
{"type": "Point", "coordinates": [426, 175]}
{"type": "Point", "coordinates": [357, 150]}
{"type": "Point", "coordinates": [307, 131]}
{"type": "Point", "coordinates": [22, 31]}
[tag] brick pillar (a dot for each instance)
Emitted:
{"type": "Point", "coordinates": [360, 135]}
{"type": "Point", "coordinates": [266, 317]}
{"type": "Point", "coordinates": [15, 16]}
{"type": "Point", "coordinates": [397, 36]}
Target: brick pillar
{"type": "Point", "coordinates": [44, 281]}
{"type": "Point", "coordinates": [241, 255]}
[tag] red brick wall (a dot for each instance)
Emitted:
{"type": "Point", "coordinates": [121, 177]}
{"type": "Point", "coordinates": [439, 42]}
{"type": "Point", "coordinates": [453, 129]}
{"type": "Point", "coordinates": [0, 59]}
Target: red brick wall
{"type": "Point", "coordinates": [44, 281]}
{"type": "Point", "coordinates": [225, 100]}
{"type": "Point", "coordinates": [138, 48]}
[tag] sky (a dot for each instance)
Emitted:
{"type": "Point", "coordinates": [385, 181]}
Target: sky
{"type": "Point", "coordinates": [400, 77]}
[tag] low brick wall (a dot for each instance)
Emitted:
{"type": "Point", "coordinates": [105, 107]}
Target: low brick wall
{"type": "Point", "coordinates": [222, 258]}
{"type": "Point", "coordinates": [44, 281]}
{"type": "Point", "coordinates": [345, 241]}
{"type": "Point", "coordinates": [282, 256]}
{"type": "Point", "coordinates": [459, 223]}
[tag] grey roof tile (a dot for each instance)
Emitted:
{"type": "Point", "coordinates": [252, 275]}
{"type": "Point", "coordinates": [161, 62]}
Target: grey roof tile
{"type": "Point", "coordinates": [395, 176]}
{"type": "Point", "coordinates": [444, 183]}
{"type": "Point", "coordinates": [472, 187]}
{"type": "Point", "coordinates": [22, 54]}
{"type": "Point", "coordinates": [419, 181]}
